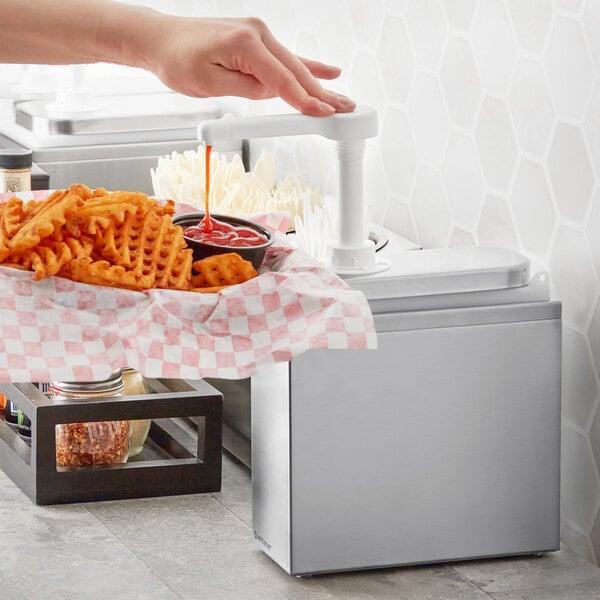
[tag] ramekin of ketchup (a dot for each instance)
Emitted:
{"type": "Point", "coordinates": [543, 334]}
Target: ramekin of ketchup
{"type": "Point", "coordinates": [220, 234]}
{"type": "Point", "coordinates": [226, 234]}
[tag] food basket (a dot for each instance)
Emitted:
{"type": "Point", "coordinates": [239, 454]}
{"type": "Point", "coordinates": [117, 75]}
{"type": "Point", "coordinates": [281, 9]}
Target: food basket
{"type": "Point", "coordinates": [57, 329]}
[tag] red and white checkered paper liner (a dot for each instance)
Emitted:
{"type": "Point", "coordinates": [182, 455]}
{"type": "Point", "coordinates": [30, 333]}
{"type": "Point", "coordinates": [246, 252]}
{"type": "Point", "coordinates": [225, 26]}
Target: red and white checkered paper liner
{"type": "Point", "coordinates": [59, 330]}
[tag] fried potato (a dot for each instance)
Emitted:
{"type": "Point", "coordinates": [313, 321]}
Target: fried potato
{"type": "Point", "coordinates": [222, 270]}
{"type": "Point", "coordinates": [101, 272]}
{"type": "Point", "coordinates": [43, 221]}
{"type": "Point", "coordinates": [120, 239]}
{"type": "Point", "coordinates": [49, 259]}
{"type": "Point", "coordinates": [12, 216]}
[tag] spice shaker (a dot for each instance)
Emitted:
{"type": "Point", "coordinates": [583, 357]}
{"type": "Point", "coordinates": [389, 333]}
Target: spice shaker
{"type": "Point", "coordinates": [94, 443]}
{"type": "Point", "coordinates": [15, 170]}
{"type": "Point", "coordinates": [135, 385]}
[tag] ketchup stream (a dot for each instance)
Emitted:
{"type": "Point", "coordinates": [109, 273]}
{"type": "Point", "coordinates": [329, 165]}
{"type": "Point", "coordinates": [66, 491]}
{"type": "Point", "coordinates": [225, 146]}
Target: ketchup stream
{"type": "Point", "coordinates": [207, 224]}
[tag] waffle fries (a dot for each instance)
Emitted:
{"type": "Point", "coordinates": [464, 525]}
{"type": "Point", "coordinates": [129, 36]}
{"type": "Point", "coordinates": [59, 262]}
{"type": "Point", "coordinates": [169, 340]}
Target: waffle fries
{"type": "Point", "coordinates": [119, 239]}
{"type": "Point", "coordinates": [221, 270]}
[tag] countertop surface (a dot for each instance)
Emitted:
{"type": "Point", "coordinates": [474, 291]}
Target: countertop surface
{"type": "Point", "coordinates": [200, 546]}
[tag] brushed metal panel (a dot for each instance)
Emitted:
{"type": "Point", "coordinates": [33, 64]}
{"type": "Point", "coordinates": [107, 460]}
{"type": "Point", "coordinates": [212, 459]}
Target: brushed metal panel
{"type": "Point", "coordinates": [443, 444]}
{"type": "Point", "coordinates": [271, 462]}
{"type": "Point", "coordinates": [458, 317]}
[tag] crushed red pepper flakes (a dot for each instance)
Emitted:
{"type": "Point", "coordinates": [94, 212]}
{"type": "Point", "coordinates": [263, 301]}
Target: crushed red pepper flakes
{"type": "Point", "coordinates": [90, 444]}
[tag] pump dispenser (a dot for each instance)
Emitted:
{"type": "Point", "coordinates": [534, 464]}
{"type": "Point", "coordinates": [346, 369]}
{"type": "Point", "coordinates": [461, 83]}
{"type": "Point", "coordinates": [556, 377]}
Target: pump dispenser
{"type": "Point", "coordinates": [351, 254]}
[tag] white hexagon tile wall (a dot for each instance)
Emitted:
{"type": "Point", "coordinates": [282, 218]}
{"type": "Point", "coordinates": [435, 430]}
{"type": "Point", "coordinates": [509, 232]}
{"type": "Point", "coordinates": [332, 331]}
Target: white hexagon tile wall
{"type": "Point", "coordinates": [490, 134]}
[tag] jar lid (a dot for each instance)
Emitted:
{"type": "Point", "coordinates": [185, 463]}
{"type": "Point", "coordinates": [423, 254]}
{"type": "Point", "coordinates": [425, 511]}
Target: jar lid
{"type": "Point", "coordinates": [15, 158]}
{"type": "Point", "coordinates": [113, 384]}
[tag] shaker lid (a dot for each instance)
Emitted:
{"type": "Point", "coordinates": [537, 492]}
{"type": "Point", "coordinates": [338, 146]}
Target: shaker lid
{"type": "Point", "coordinates": [114, 383]}
{"type": "Point", "coordinates": [15, 158]}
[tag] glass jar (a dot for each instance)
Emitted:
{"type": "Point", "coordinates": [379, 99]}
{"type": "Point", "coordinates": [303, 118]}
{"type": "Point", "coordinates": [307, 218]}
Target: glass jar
{"type": "Point", "coordinates": [135, 385]}
{"type": "Point", "coordinates": [15, 170]}
{"type": "Point", "coordinates": [92, 443]}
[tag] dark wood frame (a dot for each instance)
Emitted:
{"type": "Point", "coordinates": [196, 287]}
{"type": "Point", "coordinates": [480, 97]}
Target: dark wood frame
{"type": "Point", "coordinates": [182, 465]}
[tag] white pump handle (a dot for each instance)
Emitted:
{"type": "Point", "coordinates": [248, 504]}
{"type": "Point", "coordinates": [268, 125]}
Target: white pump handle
{"type": "Point", "coordinates": [351, 253]}
{"type": "Point", "coordinates": [357, 125]}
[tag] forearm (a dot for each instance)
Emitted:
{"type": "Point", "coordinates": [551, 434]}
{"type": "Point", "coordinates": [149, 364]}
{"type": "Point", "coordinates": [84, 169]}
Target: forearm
{"type": "Point", "coordinates": [74, 31]}
{"type": "Point", "coordinates": [194, 56]}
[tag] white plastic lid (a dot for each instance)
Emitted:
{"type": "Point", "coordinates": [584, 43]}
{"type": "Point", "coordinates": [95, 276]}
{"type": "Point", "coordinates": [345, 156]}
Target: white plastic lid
{"type": "Point", "coordinates": [444, 271]}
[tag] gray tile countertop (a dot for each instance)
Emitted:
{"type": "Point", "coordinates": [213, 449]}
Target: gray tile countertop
{"type": "Point", "coordinates": [200, 546]}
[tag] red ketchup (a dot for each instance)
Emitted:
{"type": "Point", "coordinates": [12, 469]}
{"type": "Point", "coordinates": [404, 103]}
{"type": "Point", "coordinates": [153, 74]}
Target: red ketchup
{"type": "Point", "coordinates": [226, 234]}
{"type": "Point", "coordinates": [207, 223]}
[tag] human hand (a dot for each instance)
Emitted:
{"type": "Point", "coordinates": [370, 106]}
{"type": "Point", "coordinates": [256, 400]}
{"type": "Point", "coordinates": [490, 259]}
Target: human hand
{"type": "Point", "coordinates": [237, 57]}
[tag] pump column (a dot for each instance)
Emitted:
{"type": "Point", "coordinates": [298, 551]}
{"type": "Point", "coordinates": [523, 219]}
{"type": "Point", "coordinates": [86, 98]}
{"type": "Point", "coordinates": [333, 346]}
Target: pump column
{"type": "Point", "coordinates": [351, 251]}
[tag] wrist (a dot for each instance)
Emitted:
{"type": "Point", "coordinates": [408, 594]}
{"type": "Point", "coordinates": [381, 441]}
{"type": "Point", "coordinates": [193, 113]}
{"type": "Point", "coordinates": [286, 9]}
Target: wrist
{"type": "Point", "coordinates": [126, 45]}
